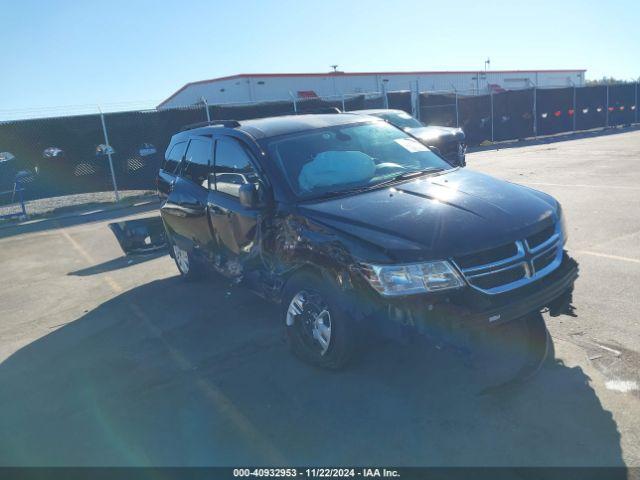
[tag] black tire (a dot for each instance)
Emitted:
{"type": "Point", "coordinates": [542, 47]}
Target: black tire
{"type": "Point", "coordinates": [190, 269]}
{"type": "Point", "coordinates": [319, 295]}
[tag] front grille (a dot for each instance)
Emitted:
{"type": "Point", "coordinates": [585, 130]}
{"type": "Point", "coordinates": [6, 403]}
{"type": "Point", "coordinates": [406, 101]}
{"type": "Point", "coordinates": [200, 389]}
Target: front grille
{"type": "Point", "coordinates": [487, 256]}
{"type": "Point", "coordinates": [509, 266]}
{"type": "Point", "coordinates": [501, 277]}
{"type": "Point", "coordinates": [544, 260]}
{"type": "Point", "coordinates": [539, 238]}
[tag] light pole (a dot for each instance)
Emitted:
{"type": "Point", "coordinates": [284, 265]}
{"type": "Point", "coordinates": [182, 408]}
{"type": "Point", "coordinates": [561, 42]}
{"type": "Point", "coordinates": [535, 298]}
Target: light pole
{"type": "Point", "coordinates": [335, 69]}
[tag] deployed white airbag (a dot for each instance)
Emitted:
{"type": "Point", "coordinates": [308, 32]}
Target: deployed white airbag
{"type": "Point", "coordinates": [336, 168]}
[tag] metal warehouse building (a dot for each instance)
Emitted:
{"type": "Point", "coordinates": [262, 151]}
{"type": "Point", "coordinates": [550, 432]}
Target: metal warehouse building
{"type": "Point", "coordinates": [261, 87]}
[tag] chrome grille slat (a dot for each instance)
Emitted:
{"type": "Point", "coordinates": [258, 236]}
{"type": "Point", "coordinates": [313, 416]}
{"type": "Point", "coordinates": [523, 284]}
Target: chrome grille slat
{"type": "Point", "coordinates": [488, 266]}
{"type": "Point", "coordinates": [551, 241]}
{"type": "Point", "coordinates": [525, 259]}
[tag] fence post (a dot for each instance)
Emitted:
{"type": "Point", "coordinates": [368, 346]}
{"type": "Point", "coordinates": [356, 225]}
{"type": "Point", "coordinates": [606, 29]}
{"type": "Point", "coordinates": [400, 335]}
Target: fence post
{"type": "Point", "coordinates": [606, 124]}
{"type": "Point", "coordinates": [21, 197]}
{"type": "Point", "coordinates": [414, 101]}
{"type": "Point", "coordinates": [206, 108]}
{"type": "Point", "coordinates": [636, 104]}
{"type": "Point", "coordinates": [106, 142]}
{"type": "Point", "coordinates": [457, 120]}
{"type": "Point", "coordinates": [295, 104]}
{"type": "Point", "coordinates": [535, 112]}
{"type": "Point", "coordinates": [385, 99]}
{"type": "Point", "coordinates": [575, 113]}
{"type": "Point", "coordinates": [418, 102]}
{"type": "Point", "coordinates": [491, 97]}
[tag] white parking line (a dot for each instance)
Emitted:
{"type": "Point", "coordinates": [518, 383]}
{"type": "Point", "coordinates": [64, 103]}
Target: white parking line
{"type": "Point", "coordinates": [606, 255]}
{"type": "Point", "coordinates": [623, 386]}
{"type": "Point", "coordinates": [620, 187]}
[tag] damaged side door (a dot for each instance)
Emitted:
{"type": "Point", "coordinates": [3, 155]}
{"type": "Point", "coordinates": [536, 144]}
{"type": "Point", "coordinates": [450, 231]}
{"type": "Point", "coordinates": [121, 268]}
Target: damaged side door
{"type": "Point", "coordinates": [185, 210]}
{"type": "Point", "coordinates": [234, 225]}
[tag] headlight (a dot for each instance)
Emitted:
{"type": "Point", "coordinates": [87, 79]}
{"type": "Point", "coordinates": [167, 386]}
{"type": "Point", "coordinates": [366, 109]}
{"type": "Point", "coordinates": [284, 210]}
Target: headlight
{"type": "Point", "coordinates": [390, 280]}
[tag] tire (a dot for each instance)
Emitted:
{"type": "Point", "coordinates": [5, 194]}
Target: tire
{"type": "Point", "coordinates": [317, 330]}
{"type": "Point", "coordinates": [189, 268]}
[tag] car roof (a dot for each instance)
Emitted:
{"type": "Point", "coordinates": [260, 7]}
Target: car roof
{"type": "Point", "coordinates": [274, 126]}
{"type": "Point", "coordinates": [375, 111]}
{"type": "Point", "coordinates": [260, 128]}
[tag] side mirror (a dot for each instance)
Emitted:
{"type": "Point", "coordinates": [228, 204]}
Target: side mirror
{"type": "Point", "coordinates": [248, 195]}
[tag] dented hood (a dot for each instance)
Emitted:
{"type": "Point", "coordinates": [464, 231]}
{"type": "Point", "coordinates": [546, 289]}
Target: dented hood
{"type": "Point", "coordinates": [440, 216]}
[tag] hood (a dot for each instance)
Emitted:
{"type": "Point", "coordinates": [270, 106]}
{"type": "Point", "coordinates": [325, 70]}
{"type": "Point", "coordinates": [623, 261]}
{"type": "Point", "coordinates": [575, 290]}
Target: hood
{"type": "Point", "coordinates": [437, 134]}
{"type": "Point", "coordinates": [435, 217]}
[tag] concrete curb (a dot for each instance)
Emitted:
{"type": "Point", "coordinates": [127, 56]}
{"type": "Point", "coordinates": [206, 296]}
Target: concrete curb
{"type": "Point", "coordinates": [78, 213]}
{"type": "Point", "coordinates": [559, 137]}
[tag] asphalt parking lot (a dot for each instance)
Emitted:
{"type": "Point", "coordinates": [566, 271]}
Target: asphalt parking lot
{"type": "Point", "coordinates": [106, 360]}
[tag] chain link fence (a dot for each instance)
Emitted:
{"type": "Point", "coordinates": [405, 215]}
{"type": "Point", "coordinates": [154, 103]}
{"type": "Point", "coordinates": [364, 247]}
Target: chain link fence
{"type": "Point", "coordinates": [51, 157]}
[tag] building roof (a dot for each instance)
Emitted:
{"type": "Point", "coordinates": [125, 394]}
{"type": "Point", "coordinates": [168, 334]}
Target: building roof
{"type": "Point", "coordinates": [353, 74]}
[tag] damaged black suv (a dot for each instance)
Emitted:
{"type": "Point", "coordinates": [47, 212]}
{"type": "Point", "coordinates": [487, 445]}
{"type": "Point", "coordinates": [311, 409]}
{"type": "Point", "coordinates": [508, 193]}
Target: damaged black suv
{"type": "Point", "coordinates": [356, 228]}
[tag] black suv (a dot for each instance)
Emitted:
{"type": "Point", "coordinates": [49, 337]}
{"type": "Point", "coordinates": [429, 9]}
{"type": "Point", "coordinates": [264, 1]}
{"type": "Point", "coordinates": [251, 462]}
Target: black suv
{"type": "Point", "coordinates": [357, 228]}
{"type": "Point", "coordinates": [449, 141]}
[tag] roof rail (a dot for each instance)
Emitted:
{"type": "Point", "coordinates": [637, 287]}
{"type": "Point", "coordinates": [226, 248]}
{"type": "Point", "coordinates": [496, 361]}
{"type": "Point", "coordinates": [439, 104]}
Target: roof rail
{"type": "Point", "coordinates": [221, 123]}
{"type": "Point", "coordinates": [320, 110]}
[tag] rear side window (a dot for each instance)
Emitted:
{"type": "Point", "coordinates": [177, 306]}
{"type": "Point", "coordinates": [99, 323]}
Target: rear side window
{"type": "Point", "coordinates": [233, 167]}
{"type": "Point", "coordinates": [197, 162]}
{"type": "Point", "coordinates": [174, 157]}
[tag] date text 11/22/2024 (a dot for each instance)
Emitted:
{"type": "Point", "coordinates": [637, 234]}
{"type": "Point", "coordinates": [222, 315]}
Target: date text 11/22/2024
{"type": "Point", "coordinates": [317, 472]}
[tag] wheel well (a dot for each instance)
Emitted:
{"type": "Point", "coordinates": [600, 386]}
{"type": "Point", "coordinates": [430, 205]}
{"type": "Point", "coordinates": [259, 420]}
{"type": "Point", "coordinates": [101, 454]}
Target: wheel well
{"type": "Point", "coordinates": [307, 268]}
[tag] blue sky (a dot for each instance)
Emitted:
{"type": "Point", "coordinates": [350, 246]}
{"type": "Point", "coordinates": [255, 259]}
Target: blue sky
{"type": "Point", "coordinates": [60, 53]}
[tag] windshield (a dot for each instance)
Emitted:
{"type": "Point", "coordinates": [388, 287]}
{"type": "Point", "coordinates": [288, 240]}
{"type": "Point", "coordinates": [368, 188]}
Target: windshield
{"type": "Point", "coordinates": [348, 157]}
{"type": "Point", "coordinates": [400, 119]}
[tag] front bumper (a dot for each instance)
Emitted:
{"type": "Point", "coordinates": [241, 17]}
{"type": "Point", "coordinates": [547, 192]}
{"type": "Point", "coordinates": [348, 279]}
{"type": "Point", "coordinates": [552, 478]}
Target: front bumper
{"type": "Point", "coordinates": [470, 310]}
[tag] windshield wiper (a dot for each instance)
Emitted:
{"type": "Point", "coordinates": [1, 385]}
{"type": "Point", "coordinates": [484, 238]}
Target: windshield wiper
{"type": "Point", "coordinates": [407, 175]}
{"type": "Point", "coordinates": [337, 193]}
{"type": "Point", "coordinates": [364, 188]}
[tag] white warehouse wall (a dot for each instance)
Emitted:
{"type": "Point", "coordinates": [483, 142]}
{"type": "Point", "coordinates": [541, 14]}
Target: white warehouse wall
{"type": "Point", "coordinates": [270, 87]}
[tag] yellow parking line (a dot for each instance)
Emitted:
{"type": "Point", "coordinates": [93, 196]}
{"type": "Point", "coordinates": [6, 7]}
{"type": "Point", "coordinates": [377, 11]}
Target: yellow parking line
{"type": "Point", "coordinates": [78, 248]}
{"type": "Point", "coordinates": [221, 402]}
{"type": "Point", "coordinates": [606, 255]}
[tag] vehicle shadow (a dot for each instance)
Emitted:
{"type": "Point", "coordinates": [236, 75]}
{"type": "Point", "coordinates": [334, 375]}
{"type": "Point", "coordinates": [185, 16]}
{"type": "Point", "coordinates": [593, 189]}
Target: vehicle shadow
{"type": "Point", "coordinates": [119, 263]}
{"type": "Point", "coordinates": [173, 374]}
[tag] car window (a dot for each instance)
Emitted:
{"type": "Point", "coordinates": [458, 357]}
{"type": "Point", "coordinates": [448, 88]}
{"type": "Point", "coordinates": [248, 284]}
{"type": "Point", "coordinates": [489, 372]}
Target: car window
{"type": "Point", "coordinates": [400, 119]}
{"type": "Point", "coordinates": [349, 156]}
{"type": "Point", "coordinates": [197, 162]}
{"type": "Point", "coordinates": [174, 157]}
{"type": "Point", "coordinates": [233, 167]}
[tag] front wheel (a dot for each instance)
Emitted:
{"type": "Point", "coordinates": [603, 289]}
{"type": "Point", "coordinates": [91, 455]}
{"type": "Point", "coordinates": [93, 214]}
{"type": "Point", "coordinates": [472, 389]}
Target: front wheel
{"type": "Point", "coordinates": [317, 330]}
